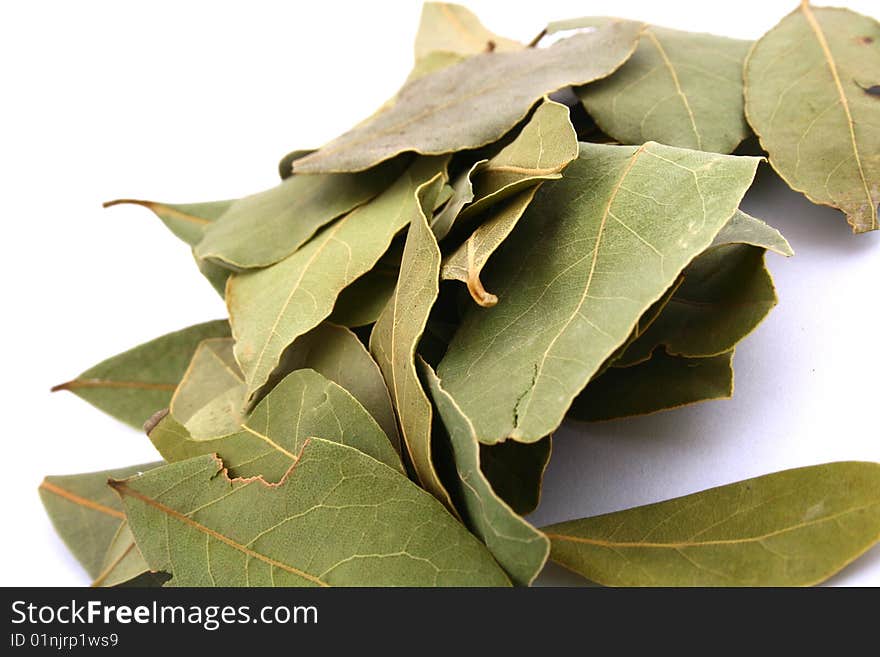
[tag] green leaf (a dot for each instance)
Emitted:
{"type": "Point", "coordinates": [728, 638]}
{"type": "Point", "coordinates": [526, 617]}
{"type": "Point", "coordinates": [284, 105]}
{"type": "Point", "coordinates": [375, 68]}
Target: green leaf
{"type": "Point", "coordinates": [791, 528]}
{"type": "Point", "coordinates": [304, 404]}
{"type": "Point", "coordinates": [679, 88]}
{"type": "Point", "coordinates": [336, 353]}
{"type": "Point", "coordinates": [541, 151]}
{"type": "Point", "coordinates": [86, 513]}
{"type": "Point", "coordinates": [451, 28]}
{"type": "Point", "coordinates": [466, 263]}
{"type": "Point", "coordinates": [516, 545]}
{"type": "Point", "coordinates": [278, 221]}
{"type": "Point", "coordinates": [806, 99]}
{"type": "Point", "coordinates": [123, 562]}
{"type": "Point", "coordinates": [269, 308]}
{"type": "Point", "coordinates": [339, 518]}
{"type": "Point", "coordinates": [210, 399]}
{"type": "Point", "coordinates": [135, 384]}
{"type": "Point", "coordinates": [362, 302]}
{"type": "Point", "coordinates": [593, 252]}
{"type": "Point", "coordinates": [660, 383]}
{"type": "Point", "coordinates": [746, 229]}
{"type": "Point", "coordinates": [396, 335]}
{"type": "Point", "coordinates": [187, 221]}
{"type": "Point", "coordinates": [474, 102]}
{"type": "Point", "coordinates": [726, 293]}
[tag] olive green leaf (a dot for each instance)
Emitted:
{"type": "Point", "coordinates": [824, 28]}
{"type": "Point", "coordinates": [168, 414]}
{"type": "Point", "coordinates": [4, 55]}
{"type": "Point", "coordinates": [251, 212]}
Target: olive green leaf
{"type": "Point", "coordinates": [304, 404]}
{"type": "Point", "coordinates": [362, 302]}
{"type": "Point", "coordinates": [336, 353]}
{"type": "Point", "coordinates": [474, 102]}
{"type": "Point", "coordinates": [679, 88]}
{"type": "Point", "coordinates": [87, 514]}
{"type": "Point", "coordinates": [123, 563]}
{"type": "Point", "coordinates": [269, 308]}
{"type": "Point", "coordinates": [451, 28]}
{"type": "Point", "coordinates": [543, 148]}
{"type": "Point", "coordinates": [792, 528]}
{"type": "Point", "coordinates": [659, 383]}
{"type": "Point", "coordinates": [396, 335]}
{"type": "Point", "coordinates": [278, 221]}
{"type": "Point", "coordinates": [745, 229]}
{"type": "Point", "coordinates": [339, 518]}
{"type": "Point", "coordinates": [187, 221]}
{"type": "Point", "coordinates": [467, 261]}
{"type": "Point", "coordinates": [516, 471]}
{"type": "Point", "coordinates": [133, 385]}
{"type": "Point", "coordinates": [462, 194]}
{"type": "Point", "coordinates": [210, 398]}
{"type": "Point", "coordinates": [805, 99]}
{"type": "Point", "coordinates": [592, 253]}
{"type": "Point", "coordinates": [726, 293]}
{"type": "Point", "coordinates": [516, 545]}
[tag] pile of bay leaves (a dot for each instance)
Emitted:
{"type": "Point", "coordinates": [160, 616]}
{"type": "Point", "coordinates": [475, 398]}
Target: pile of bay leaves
{"type": "Point", "coordinates": [523, 235]}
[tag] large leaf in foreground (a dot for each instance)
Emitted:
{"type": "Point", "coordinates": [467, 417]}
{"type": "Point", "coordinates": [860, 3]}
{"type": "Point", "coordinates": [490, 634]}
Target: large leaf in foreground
{"type": "Point", "coordinates": [679, 88]}
{"type": "Point", "coordinates": [594, 251]}
{"type": "Point", "coordinates": [516, 545]}
{"type": "Point", "coordinates": [474, 102]}
{"type": "Point", "coordinates": [396, 335]}
{"type": "Point", "coordinates": [806, 97]}
{"type": "Point", "coordinates": [792, 528]}
{"type": "Point", "coordinates": [269, 308]}
{"type": "Point", "coordinates": [660, 383]}
{"type": "Point", "coordinates": [261, 229]}
{"type": "Point", "coordinates": [87, 513]}
{"type": "Point", "coordinates": [135, 384]}
{"type": "Point", "coordinates": [303, 405]}
{"type": "Point", "coordinates": [338, 518]}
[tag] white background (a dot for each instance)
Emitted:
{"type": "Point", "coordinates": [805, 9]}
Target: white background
{"type": "Point", "coordinates": [190, 101]}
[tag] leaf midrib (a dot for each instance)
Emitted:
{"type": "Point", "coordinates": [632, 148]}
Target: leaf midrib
{"type": "Point", "coordinates": [697, 544]}
{"type": "Point", "coordinates": [123, 489]}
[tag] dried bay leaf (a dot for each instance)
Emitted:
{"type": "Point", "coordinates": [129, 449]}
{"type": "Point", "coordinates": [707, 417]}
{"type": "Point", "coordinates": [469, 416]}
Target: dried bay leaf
{"type": "Point", "coordinates": [123, 562]}
{"type": "Point", "coordinates": [86, 513]}
{"type": "Point", "coordinates": [451, 28]}
{"type": "Point", "coordinates": [210, 399]}
{"type": "Point", "coordinates": [792, 528]}
{"type": "Point", "coordinates": [659, 383]}
{"type": "Point", "coordinates": [269, 308]}
{"type": "Point", "coordinates": [396, 334]}
{"type": "Point", "coordinates": [303, 405]}
{"type": "Point", "coordinates": [336, 353]}
{"type": "Point", "coordinates": [805, 100]}
{"type": "Point", "coordinates": [339, 518]}
{"type": "Point", "coordinates": [592, 253]}
{"type": "Point", "coordinates": [474, 102]}
{"type": "Point", "coordinates": [546, 144]}
{"type": "Point", "coordinates": [187, 221]}
{"type": "Point", "coordinates": [467, 261]}
{"type": "Point", "coordinates": [261, 229]}
{"type": "Point", "coordinates": [516, 545]}
{"type": "Point", "coordinates": [679, 88]}
{"type": "Point", "coordinates": [133, 385]}
{"type": "Point", "coordinates": [726, 293]}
